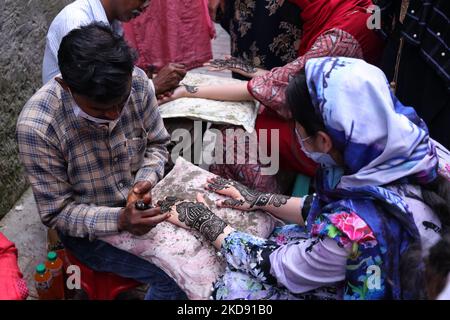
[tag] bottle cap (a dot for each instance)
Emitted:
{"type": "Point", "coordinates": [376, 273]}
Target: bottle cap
{"type": "Point", "coordinates": [41, 268]}
{"type": "Point", "coordinates": [52, 256]}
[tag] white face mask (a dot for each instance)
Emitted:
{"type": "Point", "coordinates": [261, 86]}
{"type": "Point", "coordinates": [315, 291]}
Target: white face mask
{"type": "Point", "coordinates": [80, 113]}
{"type": "Point", "coordinates": [324, 159]}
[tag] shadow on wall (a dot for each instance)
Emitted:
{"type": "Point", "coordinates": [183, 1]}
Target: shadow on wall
{"type": "Point", "coordinates": [23, 26]}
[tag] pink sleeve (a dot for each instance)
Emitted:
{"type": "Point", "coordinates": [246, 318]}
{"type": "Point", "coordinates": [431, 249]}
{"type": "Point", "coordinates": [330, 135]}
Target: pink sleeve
{"type": "Point", "coordinates": [269, 89]}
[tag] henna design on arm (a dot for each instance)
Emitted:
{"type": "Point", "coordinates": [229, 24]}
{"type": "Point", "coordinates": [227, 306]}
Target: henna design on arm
{"type": "Point", "coordinates": [199, 217]}
{"type": "Point", "coordinates": [167, 203]}
{"type": "Point", "coordinates": [233, 202]}
{"type": "Point", "coordinates": [234, 63]}
{"type": "Point", "coordinates": [251, 197]}
{"type": "Point", "coordinates": [190, 89]}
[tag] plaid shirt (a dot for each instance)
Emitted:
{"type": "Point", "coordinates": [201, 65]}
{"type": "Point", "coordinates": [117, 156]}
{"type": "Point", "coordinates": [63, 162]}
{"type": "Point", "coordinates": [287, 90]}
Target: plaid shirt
{"type": "Point", "coordinates": [81, 171]}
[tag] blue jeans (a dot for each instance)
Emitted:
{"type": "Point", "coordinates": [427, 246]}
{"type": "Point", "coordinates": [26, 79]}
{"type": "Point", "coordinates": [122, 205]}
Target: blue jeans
{"type": "Point", "coordinates": [103, 257]}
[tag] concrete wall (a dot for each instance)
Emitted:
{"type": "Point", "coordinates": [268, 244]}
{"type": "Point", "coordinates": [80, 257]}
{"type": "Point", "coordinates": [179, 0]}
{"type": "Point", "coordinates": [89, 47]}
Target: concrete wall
{"type": "Point", "coordinates": [23, 26]}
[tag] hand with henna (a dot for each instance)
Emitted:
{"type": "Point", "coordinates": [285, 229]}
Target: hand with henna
{"type": "Point", "coordinates": [242, 197]}
{"type": "Point", "coordinates": [193, 215]}
{"type": "Point", "coordinates": [237, 65]}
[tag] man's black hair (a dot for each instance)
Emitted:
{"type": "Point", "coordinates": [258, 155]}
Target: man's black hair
{"type": "Point", "coordinates": [96, 62]}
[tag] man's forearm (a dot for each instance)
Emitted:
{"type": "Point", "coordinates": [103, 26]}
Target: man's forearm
{"type": "Point", "coordinates": [148, 174]}
{"type": "Point", "coordinates": [82, 220]}
{"type": "Point", "coordinates": [152, 168]}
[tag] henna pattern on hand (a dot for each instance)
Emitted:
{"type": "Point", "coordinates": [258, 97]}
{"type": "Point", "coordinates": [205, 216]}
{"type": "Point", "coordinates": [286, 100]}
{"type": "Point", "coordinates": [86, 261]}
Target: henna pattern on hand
{"type": "Point", "coordinates": [219, 183]}
{"type": "Point", "coordinates": [199, 217]}
{"type": "Point", "coordinates": [233, 202]}
{"type": "Point", "coordinates": [191, 89]}
{"type": "Point", "coordinates": [167, 203]}
{"type": "Point", "coordinates": [233, 63]}
{"type": "Point", "coordinates": [252, 198]}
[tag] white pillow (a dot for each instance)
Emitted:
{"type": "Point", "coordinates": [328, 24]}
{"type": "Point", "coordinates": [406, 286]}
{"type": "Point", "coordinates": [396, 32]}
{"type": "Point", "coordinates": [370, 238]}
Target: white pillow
{"type": "Point", "coordinates": [186, 255]}
{"type": "Point", "coordinates": [224, 112]}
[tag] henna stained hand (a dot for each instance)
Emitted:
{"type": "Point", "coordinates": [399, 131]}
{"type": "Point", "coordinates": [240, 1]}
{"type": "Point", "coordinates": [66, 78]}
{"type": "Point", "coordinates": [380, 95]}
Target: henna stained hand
{"type": "Point", "coordinates": [252, 198]}
{"type": "Point", "coordinates": [233, 63]}
{"type": "Point", "coordinates": [219, 183]}
{"type": "Point", "coordinates": [196, 215]}
{"type": "Point", "coordinates": [233, 202]}
{"type": "Point", "coordinates": [167, 204]}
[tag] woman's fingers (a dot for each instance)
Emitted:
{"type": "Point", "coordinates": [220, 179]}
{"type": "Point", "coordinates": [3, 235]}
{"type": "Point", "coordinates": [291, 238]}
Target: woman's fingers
{"type": "Point", "coordinates": [153, 221]}
{"type": "Point", "coordinates": [231, 203]}
{"type": "Point", "coordinates": [220, 186]}
{"type": "Point", "coordinates": [165, 99]}
{"type": "Point", "coordinates": [212, 67]}
{"type": "Point", "coordinates": [201, 198]}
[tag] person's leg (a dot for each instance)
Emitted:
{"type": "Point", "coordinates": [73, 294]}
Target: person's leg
{"type": "Point", "coordinates": [235, 285]}
{"type": "Point", "coordinates": [101, 256]}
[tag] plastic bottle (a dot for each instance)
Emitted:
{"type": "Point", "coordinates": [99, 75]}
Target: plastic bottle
{"type": "Point", "coordinates": [55, 265]}
{"type": "Point", "coordinates": [43, 281]}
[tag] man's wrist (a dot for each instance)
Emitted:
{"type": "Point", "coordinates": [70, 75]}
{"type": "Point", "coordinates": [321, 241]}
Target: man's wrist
{"type": "Point", "coordinates": [146, 174]}
{"type": "Point", "coordinates": [121, 220]}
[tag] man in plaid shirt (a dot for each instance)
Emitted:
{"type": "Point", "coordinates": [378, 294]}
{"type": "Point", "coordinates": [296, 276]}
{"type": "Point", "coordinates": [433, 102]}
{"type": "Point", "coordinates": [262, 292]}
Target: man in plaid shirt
{"type": "Point", "coordinates": [92, 142]}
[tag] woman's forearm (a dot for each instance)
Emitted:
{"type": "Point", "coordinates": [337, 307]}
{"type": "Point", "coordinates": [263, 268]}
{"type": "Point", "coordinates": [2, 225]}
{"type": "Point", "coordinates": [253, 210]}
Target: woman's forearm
{"type": "Point", "coordinates": [221, 237]}
{"type": "Point", "coordinates": [290, 212]}
{"type": "Point", "coordinates": [227, 92]}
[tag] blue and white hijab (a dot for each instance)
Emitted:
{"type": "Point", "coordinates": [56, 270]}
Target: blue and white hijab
{"type": "Point", "coordinates": [382, 142]}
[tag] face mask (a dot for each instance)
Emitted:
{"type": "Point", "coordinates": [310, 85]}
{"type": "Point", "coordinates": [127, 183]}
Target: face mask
{"type": "Point", "coordinates": [324, 159]}
{"type": "Point", "coordinates": [80, 113]}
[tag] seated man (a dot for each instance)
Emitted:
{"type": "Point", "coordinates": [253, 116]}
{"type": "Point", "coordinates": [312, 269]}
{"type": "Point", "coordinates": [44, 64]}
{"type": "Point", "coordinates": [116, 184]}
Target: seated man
{"type": "Point", "coordinates": [111, 12]}
{"type": "Point", "coordinates": [90, 139]}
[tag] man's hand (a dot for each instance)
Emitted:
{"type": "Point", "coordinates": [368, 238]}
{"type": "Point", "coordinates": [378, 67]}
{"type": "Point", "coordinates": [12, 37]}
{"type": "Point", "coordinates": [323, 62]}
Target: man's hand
{"type": "Point", "coordinates": [168, 78]}
{"type": "Point", "coordinates": [178, 93]}
{"type": "Point", "coordinates": [140, 222]}
{"type": "Point", "coordinates": [141, 191]}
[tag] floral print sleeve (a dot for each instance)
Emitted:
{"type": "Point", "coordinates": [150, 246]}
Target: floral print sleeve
{"type": "Point", "coordinates": [249, 254]}
{"type": "Point", "coordinates": [269, 89]}
{"type": "Point", "coordinates": [289, 265]}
